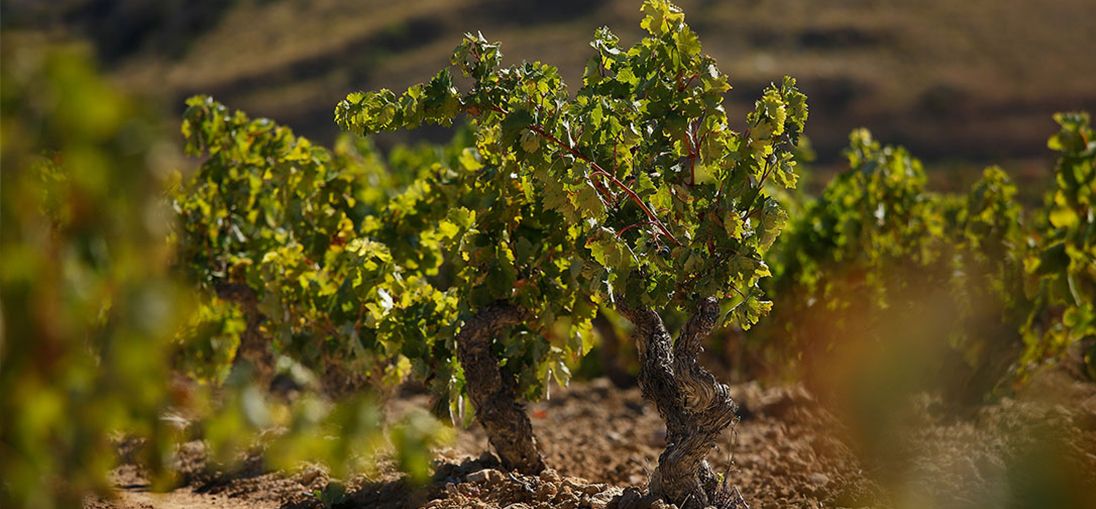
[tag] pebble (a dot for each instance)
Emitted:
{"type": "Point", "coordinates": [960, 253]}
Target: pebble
{"type": "Point", "coordinates": [308, 475]}
{"type": "Point", "coordinates": [487, 474]}
{"type": "Point", "coordinates": [601, 500]}
{"type": "Point", "coordinates": [546, 491]}
{"type": "Point", "coordinates": [592, 489]}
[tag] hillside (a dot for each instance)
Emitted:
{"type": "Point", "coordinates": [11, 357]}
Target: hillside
{"type": "Point", "coordinates": [961, 83]}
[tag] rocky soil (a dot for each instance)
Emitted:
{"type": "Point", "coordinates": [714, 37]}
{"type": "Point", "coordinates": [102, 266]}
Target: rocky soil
{"type": "Point", "coordinates": [787, 451]}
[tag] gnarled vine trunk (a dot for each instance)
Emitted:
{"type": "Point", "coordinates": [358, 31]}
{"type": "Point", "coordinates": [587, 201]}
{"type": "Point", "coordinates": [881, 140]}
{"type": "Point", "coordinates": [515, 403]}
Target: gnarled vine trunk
{"type": "Point", "coordinates": [254, 351]}
{"type": "Point", "coordinates": [696, 407]}
{"type": "Point", "coordinates": [494, 396]}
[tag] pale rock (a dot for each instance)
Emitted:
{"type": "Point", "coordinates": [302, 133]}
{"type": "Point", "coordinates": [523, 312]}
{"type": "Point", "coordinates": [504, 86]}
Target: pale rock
{"type": "Point", "coordinates": [487, 474]}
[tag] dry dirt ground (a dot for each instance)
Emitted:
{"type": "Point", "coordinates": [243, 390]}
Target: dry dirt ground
{"type": "Point", "coordinates": [787, 451]}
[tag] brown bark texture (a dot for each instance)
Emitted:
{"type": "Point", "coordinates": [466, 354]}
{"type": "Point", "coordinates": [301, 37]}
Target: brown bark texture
{"type": "Point", "coordinates": [494, 396]}
{"type": "Point", "coordinates": [696, 407]}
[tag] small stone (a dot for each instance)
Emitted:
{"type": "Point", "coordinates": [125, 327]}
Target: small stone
{"type": "Point", "coordinates": [550, 475]}
{"type": "Point", "coordinates": [308, 475]}
{"type": "Point", "coordinates": [546, 491]}
{"type": "Point", "coordinates": [485, 475]}
{"type": "Point", "coordinates": [580, 485]}
{"type": "Point", "coordinates": [601, 500]}
{"type": "Point", "coordinates": [592, 489]}
{"type": "Point", "coordinates": [819, 478]}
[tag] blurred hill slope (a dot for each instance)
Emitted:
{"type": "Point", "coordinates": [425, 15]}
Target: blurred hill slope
{"type": "Point", "coordinates": [959, 82]}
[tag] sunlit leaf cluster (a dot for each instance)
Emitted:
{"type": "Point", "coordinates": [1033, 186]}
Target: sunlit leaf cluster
{"type": "Point", "coordinates": [285, 218]}
{"type": "Point", "coordinates": [632, 188]}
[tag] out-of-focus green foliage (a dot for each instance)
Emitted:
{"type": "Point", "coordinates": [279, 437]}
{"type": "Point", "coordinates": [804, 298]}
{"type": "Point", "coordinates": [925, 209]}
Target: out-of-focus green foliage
{"type": "Point", "coordinates": [1064, 310]}
{"type": "Point", "coordinates": [89, 307]}
{"type": "Point", "coordinates": [878, 257]}
{"type": "Point", "coordinates": [986, 245]}
{"type": "Point", "coordinates": [876, 213]}
{"type": "Point", "coordinates": [348, 436]}
{"type": "Point", "coordinates": [206, 345]}
{"type": "Point", "coordinates": [844, 268]}
{"type": "Point", "coordinates": [94, 318]}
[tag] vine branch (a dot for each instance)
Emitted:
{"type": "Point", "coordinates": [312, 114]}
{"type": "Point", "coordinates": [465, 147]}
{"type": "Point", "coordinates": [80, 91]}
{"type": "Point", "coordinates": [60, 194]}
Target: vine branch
{"type": "Point", "coordinates": [599, 170]}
